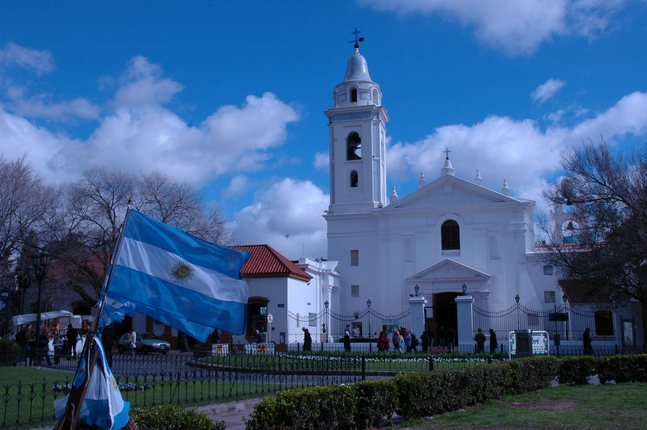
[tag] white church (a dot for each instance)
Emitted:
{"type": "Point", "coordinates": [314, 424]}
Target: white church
{"type": "Point", "coordinates": [449, 240]}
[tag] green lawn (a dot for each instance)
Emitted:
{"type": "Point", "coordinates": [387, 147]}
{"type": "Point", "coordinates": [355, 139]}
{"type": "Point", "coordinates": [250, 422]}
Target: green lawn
{"type": "Point", "coordinates": [622, 406]}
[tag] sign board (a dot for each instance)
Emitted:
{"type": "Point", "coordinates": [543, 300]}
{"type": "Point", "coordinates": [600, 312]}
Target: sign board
{"type": "Point", "coordinates": [270, 318]}
{"type": "Point", "coordinates": [540, 343]}
{"type": "Point", "coordinates": [557, 316]}
{"type": "Point", "coordinates": [4, 302]}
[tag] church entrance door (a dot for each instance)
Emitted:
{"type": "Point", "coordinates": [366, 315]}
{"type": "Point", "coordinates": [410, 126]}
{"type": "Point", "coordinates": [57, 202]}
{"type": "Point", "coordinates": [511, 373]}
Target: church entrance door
{"type": "Point", "coordinates": [444, 312]}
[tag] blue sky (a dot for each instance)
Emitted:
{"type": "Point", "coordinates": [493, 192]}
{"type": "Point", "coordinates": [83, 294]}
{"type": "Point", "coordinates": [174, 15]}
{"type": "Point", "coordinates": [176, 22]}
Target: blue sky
{"type": "Point", "coordinates": [229, 96]}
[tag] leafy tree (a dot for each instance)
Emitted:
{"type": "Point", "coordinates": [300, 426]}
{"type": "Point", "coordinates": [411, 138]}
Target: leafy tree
{"type": "Point", "coordinates": [607, 193]}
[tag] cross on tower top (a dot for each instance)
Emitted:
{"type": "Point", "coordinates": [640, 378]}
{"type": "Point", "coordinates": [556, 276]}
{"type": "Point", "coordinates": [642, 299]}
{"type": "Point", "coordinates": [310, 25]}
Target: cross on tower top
{"type": "Point", "coordinates": [357, 40]}
{"type": "Point", "coordinates": [447, 151]}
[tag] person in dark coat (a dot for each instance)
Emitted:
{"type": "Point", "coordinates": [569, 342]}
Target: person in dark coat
{"type": "Point", "coordinates": [480, 342]}
{"type": "Point", "coordinates": [442, 337]}
{"type": "Point", "coordinates": [215, 337]}
{"type": "Point", "coordinates": [72, 335]}
{"type": "Point", "coordinates": [307, 340]}
{"type": "Point", "coordinates": [424, 339]}
{"type": "Point", "coordinates": [586, 338]}
{"type": "Point", "coordinates": [431, 335]}
{"type": "Point", "coordinates": [42, 349]}
{"type": "Point", "coordinates": [108, 336]}
{"type": "Point", "coordinates": [493, 342]}
{"type": "Point", "coordinates": [347, 342]}
{"type": "Point", "coordinates": [22, 338]}
{"type": "Point", "coordinates": [451, 338]}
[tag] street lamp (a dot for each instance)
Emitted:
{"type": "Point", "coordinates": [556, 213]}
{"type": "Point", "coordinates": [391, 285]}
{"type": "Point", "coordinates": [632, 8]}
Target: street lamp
{"type": "Point", "coordinates": [368, 304]}
{"type": "Point", "coordinates": [39, 261]}
{"type": "Point", "coordinates": [464, 287]}
{"type": "Point", "coordinates": [326, 303]}
{"type": "Point", "coordinates": [516, 298]}
{"type": "Point", "coordinates": [416, 289]}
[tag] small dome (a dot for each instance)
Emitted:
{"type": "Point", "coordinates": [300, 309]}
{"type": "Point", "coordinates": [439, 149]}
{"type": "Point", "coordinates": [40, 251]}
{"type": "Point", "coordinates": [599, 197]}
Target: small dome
{"type": "Point", "coordinates": [357, 68]}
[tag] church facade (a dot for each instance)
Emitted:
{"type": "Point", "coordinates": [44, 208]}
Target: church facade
{"type": "Point", "coordinates": [447, 234]}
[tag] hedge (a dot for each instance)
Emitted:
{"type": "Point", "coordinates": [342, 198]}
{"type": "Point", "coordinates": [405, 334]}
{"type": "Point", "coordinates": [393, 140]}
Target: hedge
{"type": "Point", "coordinates": [369, 403]}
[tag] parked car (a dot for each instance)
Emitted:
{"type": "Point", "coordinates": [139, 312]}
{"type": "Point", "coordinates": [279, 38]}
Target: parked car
{"type": "Point", "coordinates": [146, 342]}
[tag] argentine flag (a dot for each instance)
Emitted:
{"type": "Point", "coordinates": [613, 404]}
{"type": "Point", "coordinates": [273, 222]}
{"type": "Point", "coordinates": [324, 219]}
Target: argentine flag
{"type": "Point", "coordinates": [103, 405]}
{"type": "Point", "coordinates": [176, 278]}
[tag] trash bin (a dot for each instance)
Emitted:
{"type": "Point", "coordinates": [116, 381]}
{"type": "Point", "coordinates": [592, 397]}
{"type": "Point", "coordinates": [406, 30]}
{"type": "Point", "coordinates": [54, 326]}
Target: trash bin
{"type": "Point", "coordinates": [264, 334]}
{"type": "Point", "coordinates": [524, 343]}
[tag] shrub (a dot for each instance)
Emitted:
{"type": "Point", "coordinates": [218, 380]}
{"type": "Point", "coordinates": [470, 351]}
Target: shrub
{"type": "Point", "coordinates": [530, 374]}
{"type": "Point", "coordinates": [576, 370]}
{"type": "Point", "coordinates": [375, 401]}
{"type": "Point", "coordinates": [170, 417]}
{"type": "Point", "coordinates": [622, 368]}
{"type": "Point", "coordinates": [327, 407]}
{"type": "Point", "coordinates": [9, 350]}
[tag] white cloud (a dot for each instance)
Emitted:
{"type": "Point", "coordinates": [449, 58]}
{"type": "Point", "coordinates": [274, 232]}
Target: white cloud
{"type": "Point", "coordinates": [321, 161]}
{"type": "Point", "coordinates": [139, 134]}
{"type": "Point", "coordinates": [40, 61]}
{"type": "Point", "coordinates": [514, 26]}
{"type": "Point", "coordinates": [519, 151]}
{"type": "Point", "coordinates": [547, 90]}
{"type": "Point", "coordinates": [237, 185]}
{"type": "Point", "coordinates": [142, 85]}
{"type": "Point", "coordinates": [287, 216]}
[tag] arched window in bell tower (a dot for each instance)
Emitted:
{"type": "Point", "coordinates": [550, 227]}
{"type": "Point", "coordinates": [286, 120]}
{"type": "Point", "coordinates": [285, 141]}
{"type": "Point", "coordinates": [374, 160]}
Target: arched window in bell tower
{"type": "Point", "coordinates": [354, 179]}
{"type": "Point", "coordinates": [354, 147]}
{"type": "Point", "coordinates": [353, 95]}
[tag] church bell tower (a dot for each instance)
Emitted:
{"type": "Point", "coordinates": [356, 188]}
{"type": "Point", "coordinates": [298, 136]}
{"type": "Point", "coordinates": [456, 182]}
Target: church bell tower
{"type": "Point", "coordinates": [357, 142]}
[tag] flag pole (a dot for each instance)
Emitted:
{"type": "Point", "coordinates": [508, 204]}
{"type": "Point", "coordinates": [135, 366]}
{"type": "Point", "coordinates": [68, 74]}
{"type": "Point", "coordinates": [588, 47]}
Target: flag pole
{"type": "Point", "coordinates": [77, 395]}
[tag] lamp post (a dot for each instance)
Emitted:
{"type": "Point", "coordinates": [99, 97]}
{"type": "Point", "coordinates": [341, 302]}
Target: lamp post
{"type": "Point", "coordinates": [326, 304]}
{"type": "Point", "coordinates": [565, 299]}
{"type": "Point", "coordinates": [464, 287]}
{"type": "Point", "coordinates": [416, 289]}
{"type": "Point", "coordinates": [516, 299]}
{"type": "Point", "coordinates": [23, 280]}
{"type": "Point", "coordinates": [39, 261]}
{"type": "Point", "coordinates": [368, 304]}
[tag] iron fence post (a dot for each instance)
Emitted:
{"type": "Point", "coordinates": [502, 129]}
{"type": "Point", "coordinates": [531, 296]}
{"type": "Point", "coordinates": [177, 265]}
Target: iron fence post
{"type": "Point", "coordinates": [363, 368]}
{"type": "Point", "coordinates": [431, 363]}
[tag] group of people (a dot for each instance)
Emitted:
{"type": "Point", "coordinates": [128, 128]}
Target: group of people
{"type": "Point", "coordinates": [481, 339]}
{"type": "Point", "coordinates": [26, 338]}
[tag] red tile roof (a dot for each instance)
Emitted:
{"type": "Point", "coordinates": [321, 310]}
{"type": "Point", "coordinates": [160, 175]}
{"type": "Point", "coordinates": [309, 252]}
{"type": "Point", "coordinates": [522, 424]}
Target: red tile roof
{"type": "Point", "coordinates": [580, 291]}
{"type": "Point", "coordinates": [266, 262]}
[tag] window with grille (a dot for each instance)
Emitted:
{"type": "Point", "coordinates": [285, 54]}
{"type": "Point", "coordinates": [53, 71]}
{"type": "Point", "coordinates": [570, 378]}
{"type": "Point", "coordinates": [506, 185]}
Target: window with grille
{"type": "Point", "coordinates": [354, 290]}
{"type": "Point", "coordinates": [450, 235]}
{"type": "Point", "coordinates": [354, 257]}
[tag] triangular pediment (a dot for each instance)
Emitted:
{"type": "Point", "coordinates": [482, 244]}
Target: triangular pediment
{"type": "Point", "coordinates": [449, 269]}
{"type": "Point", "coordinates": [449, 190]}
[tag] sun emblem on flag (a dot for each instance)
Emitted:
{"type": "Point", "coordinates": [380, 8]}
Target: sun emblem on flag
{"type": "Point", "coordinates": [182, 272]}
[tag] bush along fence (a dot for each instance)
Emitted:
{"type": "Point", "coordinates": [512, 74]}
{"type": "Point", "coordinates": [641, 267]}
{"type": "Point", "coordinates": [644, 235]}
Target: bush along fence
{"type": "Point", "coordinates": [372, 403]}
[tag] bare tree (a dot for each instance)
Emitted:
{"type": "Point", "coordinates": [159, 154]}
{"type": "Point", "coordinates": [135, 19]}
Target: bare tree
{"type": "Point", "coordinates": [607, 192]}
{"type": "Point", "coordinates": [25, 202]}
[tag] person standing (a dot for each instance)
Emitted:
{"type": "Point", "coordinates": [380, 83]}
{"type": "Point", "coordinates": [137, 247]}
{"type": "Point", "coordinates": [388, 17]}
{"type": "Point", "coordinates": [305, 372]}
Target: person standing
{"type": "Point", "coordinates": [586, 338]}
{"type": "Point", "coordinates": [22, 338]}
{"type": "Point", "coordinates": [480, 342]}
{"type": "Point", "coordinates": [431, 335]}
{"type": "Point", "coordinates": [132, 339]}
{"type": "Point", "coordinates": [451, 338]}
{"type": "Point", "coordinates": [382, 342]}
{"type": "Point", "coordinates": [442, 337]}
{"type": "Point", "coordinates": [347, 342]}
{"type": "Point", "coordinates": [493, 342]}
{"type": "Point", "coordinates": [347, 330]}
{"type": "Point", "coordinates": [215, 337]}
{"type": "Point", "coordinates": [42, 349]}
{"type": "Point", "coordinates": [407, 341]}
{"type": "Point", "coordinates": [396, 341]}
{"type": "Point", "coordinates": [307, 340]}
{"type": "Point", "coordinates": [108, 336]}
{"type": "Point", "coordinates": [258, 338]}
{"type": "Point", "coordinates": [72, 336]}
{"type": "Point", "coordinates": [424, 338]}
{"type": "Point", "coordinates": [58, 348]}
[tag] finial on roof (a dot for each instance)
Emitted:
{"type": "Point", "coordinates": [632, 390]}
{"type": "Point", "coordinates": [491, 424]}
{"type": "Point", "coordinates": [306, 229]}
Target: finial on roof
{"type": "Point", "coordinates": [394, 196]}
{"type": "Point", "coordinates": [422, 181]}
{"type": "Point", "coordinates": [478, 180]}
{"type": "Point", "coordinates": [505, 190]}
{"type": "Point", "coordinates": [357, 39]}
{"type": "Point", "coordinates": [447, 168]}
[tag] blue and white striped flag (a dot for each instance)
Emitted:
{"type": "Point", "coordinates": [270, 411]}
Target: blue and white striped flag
{"type": "Point", "coordinates": [178, 279]}
{"type": "Point", "coordinates": [103, 405]}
